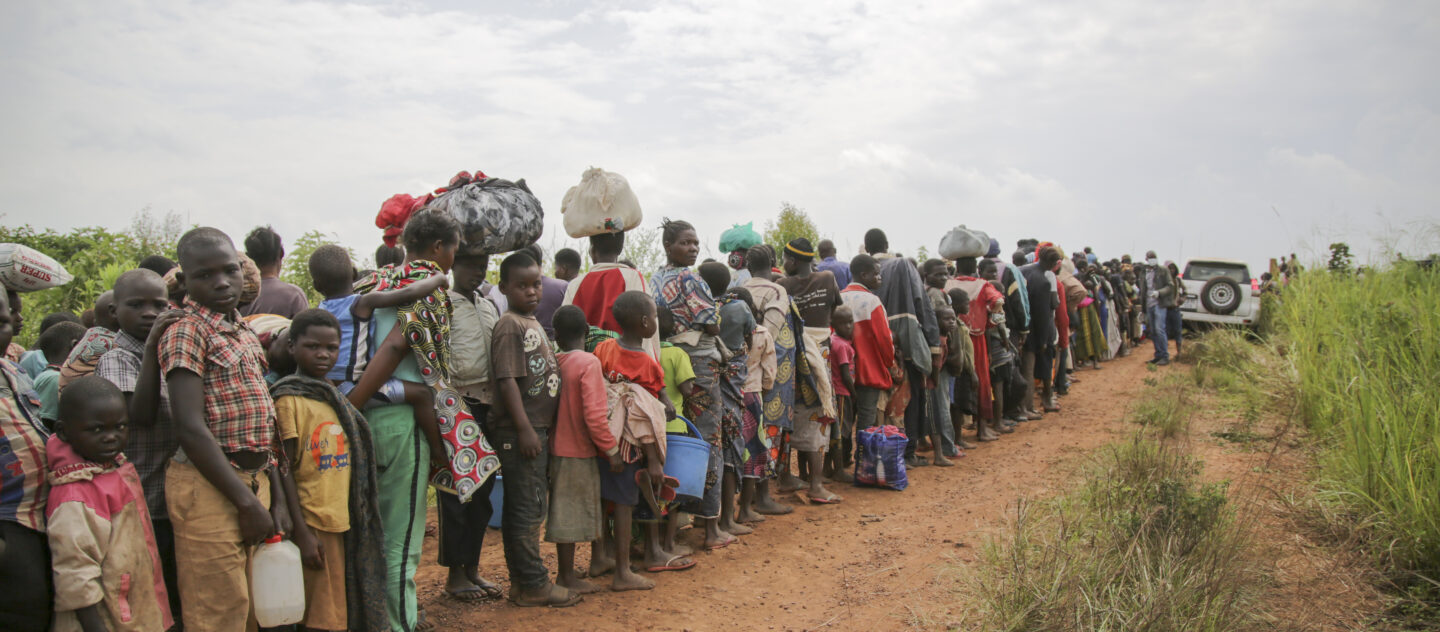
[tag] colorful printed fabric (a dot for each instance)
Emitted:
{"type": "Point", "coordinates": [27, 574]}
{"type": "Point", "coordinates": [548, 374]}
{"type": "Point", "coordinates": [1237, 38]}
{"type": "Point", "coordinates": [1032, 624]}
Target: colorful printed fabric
{"type": "Point", "coordinates": [426, 326]}
{"type": "Point", "coordinates": [757, 454]}
{"type": "Point", "coordinates": [731, 375]}
{"type": "Point", "coordinates": [22, 444]}
{"type": "Point", "coordinates": [86, 354]}
{"type": "Point", "coordinates": [687, 296]}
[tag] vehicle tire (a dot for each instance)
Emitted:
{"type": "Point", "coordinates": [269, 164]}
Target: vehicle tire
{"type": "Point", "coordinates": [1221, 296]}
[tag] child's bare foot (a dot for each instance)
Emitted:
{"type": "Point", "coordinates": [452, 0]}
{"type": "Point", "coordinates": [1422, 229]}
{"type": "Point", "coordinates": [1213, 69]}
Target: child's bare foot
{"type": "Point", "coordinates": [940, 460]}
{"type": "Point", "coordinates": [789, 483]}
{"type": "Point", "coordinates": [631, 581]}
{"type": "Point", "coordinates": [735, 528]}
{"type": "Point", "coordinates": [747, 515]}
{"type": "Point", "coordinates": [578, 586]}
{"type": "Point", "coordinates": [767, 505]}
{"type": "Point", "coordinates": [719, 541]}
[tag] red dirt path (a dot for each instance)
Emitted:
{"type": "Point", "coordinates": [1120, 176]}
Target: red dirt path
{"type": "Point", "coordinates": [870, 563]}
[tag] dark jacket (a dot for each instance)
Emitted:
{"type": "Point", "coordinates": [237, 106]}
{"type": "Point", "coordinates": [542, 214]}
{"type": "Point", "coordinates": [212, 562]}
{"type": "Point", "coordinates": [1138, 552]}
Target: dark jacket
{"type": "Point", "coordinates": [1164, 285]}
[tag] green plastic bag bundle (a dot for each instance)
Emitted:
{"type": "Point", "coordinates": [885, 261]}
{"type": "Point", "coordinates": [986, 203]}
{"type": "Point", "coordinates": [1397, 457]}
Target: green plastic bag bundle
{"type": "Point", "coordinates": [739, 237]}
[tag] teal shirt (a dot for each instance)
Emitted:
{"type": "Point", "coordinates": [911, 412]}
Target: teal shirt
{"type": "Point", "coordinates": [47, 386]}
{"type": "Point", "coordinates": [380, 325]}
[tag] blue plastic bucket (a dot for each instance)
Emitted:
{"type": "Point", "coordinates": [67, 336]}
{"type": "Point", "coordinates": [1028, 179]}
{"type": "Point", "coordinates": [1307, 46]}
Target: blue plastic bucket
{"type": "Point", "coordinates": [497, 501]}
{"type": "Point", "coordinates": [686, 460]}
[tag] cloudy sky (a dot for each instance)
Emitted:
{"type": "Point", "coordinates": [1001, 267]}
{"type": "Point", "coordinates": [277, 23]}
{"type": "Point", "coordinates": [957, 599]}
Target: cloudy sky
{"type": "Point", "coordinates": [1219, 128]}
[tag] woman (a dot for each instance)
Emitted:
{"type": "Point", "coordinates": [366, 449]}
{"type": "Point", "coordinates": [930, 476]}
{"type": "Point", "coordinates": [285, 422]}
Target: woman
{"type": "Point", "coordinates": [678, 287]}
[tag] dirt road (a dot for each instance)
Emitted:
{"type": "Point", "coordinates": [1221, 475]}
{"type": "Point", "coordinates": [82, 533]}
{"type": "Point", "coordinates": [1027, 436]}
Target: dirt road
{"type": "Point", "coordinates": [881, 560]}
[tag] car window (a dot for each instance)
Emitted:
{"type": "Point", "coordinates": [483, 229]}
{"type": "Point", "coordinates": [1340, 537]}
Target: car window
{"type": "Point", "coordinates": [1205, 271]}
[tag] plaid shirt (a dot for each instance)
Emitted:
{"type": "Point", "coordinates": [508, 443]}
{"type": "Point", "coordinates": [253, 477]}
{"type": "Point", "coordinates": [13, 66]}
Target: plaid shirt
{"type": "Point", "coordinates": [149, 448]}
{"type": "Point", "coordinates": [228, 357]}
{"type": "Point", "coordinates": [22, 451]}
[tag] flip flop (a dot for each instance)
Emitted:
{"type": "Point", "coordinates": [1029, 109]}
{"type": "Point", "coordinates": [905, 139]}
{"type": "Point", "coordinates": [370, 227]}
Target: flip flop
{"type": "Point", "coordinates": [832, 499]}
{"type": "Point", "coordinates": [669, 565]}
{"type": "Point", "coordinates": [473, 593]}
{"type": "Point", "coordinates": [491, 589]}
{"type": "Point", "coordinates": [726, 543]}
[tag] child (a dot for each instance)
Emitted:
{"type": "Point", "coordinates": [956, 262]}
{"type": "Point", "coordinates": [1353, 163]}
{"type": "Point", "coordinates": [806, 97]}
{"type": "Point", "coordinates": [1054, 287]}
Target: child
{"type": "Point", "coordinates": [107, 571]}
{"type": "Point", "coordinates": [637, 421]}
{"type": "Point", "coordinates": [582, 434]}
{"type": "Point", "coordinates": [462, 525]}
{"type": "Point", "coordinates": [24, 550]}
{"type": "Point", "coordinates": [761, 365]}
{"type": "Point", "coordinates": [55, 343]}
{"type": "Point", "coordinates": [97, 340]}
{"type": "Point", "coordinates": [680, 388]}
{"type": "Point", "coordinates": [943, 434]}
{"type": "Point", "coordinates": [142, 313]}
{"type": "Point", "coordinates": [527, 380]}
{"type": "Point", "coordinates": [737, 321]}
{"type": "Point", "coordinates": [334, 276]}
{"type": "Point", "coordinates": [842, 375]}
{"type": "Point", "coordinates": [874, 367]}
{"type": "Point", "coordinates": [222, 480]}
{"type": "Point", "coordinates": [334, 462]}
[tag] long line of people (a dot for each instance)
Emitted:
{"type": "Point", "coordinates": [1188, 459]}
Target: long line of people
{"type": "Point", "coordinates": [210, 407]}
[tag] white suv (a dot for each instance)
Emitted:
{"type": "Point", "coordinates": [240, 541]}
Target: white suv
{"type": "Point", "coordinates": [1219, 291]}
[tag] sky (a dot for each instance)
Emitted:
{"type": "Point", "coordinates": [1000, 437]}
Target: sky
{"type": "Point", "coordinates": [1242, 130]}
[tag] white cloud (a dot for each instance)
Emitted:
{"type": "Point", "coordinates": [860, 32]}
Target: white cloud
{"type": "Point", "coordinates": [1115, 125]}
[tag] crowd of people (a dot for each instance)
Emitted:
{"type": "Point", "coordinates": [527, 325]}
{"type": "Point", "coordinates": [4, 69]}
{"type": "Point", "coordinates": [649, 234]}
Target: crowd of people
{"type": "Point", "coordinates": [209, 407]}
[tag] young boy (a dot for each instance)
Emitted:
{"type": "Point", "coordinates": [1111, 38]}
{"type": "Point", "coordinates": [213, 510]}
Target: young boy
{"type": "Point", "coordinates": [462, 525]}
{"type": "Point", "coordinates": [943, 436]}
{"type": "Point", "coordinates": [582, 434]}
{"type": "Point", "coordinates": [220, 484]}
{"type": "Point", "coordinates": [55, 343]}
{"type": "Point", "coordinates": [637, 421]}
{"type": "Point", "coordinates": [334, 276]}
{"type": "Point", "coordinates": [842, 375]}
{"type": "Point", "coordinates": [874, 346]}
{"type": "Point", "coordinates": [142, 313]}
{"type": "Point", "coordinates": [527, 381]}
{"type": "Point", "coordinates": [328, 448]}
{"type": "Point", "coordinates": [107, 571]}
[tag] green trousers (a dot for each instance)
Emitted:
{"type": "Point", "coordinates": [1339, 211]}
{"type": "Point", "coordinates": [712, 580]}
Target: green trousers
{"type": "Point", "coordinates": [402, 459]}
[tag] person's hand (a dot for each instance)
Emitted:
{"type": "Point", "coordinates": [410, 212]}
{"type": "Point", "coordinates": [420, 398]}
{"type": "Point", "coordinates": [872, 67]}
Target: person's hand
{"type": "Point", "coordinates": [529, 443]}
{"type": "Point", "coordinates": [157, 329]}
{"type": "Point", "coordinates": [280, 515]}
{"type": "Point", "coordinates": [1154, 294]}
{"type": "Point", "coordinates": [312, 552]}
{"type": "Point", "coordinates": [657, 475]}
{"type": "Point", "coordinates": [616, 464]}
{"type": "Point", "coordinates": [256, 524]}
{"type": "Point", "coordinates": [437, 455]}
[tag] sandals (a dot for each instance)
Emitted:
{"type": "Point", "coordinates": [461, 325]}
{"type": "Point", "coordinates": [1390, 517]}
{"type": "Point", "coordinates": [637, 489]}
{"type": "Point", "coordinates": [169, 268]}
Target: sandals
{"type": "Point", "coordinates": [669, 565]}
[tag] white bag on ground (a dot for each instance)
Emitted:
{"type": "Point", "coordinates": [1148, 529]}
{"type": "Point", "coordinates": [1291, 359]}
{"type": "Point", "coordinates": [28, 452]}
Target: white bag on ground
{"type": "Point", "coordinates": [25, 269]}
{"type": "Point", "coordinates": [601, 203]}
{"type": "Point", "coordinates": [495, 215]}
{"type": "Point", "coordinates": [962, 242]}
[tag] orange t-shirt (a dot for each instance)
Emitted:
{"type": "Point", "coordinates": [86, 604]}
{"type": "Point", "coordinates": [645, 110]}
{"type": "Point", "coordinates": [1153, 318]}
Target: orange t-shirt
{"type": "Point", "coordinates": [619, 363]}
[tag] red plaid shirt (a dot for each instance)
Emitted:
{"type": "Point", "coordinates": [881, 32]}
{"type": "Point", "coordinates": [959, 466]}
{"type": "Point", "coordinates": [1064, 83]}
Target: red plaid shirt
{"type": "Point", "coordinates": [228, 357]}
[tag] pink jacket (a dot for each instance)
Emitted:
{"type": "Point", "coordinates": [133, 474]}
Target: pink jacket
{"type": "Point", "coordinates": [102, 547]}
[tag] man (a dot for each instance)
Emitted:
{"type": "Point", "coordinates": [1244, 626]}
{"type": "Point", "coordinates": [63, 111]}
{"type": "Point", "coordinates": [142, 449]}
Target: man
{"type": "Point", "coordinates": [841, 269]}
{"type": "Point", "coordinates": [917, 334]}
{"type": "Point", "coordinates": [1157, 289]}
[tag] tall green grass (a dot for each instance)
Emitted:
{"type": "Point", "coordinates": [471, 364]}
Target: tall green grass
{"type": "Point", "coordinates": [1366, 353]}
{"type": "Point", "coordinates": [1143, 545]}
